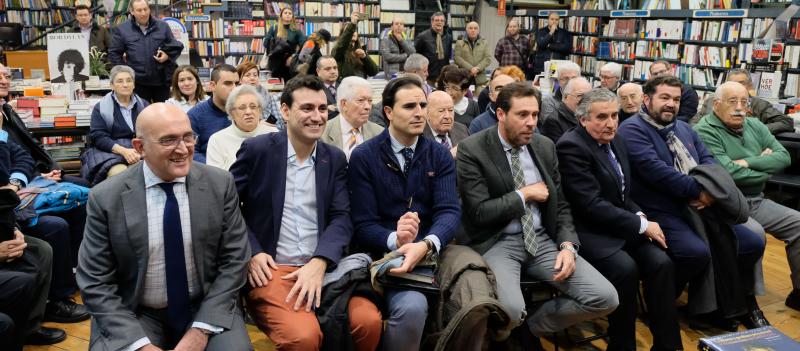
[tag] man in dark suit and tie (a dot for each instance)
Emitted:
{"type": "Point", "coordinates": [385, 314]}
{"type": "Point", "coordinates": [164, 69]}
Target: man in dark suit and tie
{"type": "Point", "coordinates": [295, 203]}
{"type": "Point", "coordinates": [328, 70]}
{"type": "Point", "coordinates": [516, 216]}
{"type": "Point", "coordinates": [165, 250]}
{"type": "Point", "coordinates": [441, 126]}
{"type": "Point", "coordinates": [617, 238]}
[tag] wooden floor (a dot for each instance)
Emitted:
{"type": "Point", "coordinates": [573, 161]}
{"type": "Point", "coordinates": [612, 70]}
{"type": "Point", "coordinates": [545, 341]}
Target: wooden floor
{"type": "Point", "coordinates": [776, 271]}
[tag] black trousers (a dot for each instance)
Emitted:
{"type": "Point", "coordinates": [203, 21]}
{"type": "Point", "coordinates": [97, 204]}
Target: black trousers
{"type": "Point", "coordinates": [64, 232]}
{"type": "Point", "coordinates": [646, 261]}
{"type": "Point", "coordinates": [152, 93]}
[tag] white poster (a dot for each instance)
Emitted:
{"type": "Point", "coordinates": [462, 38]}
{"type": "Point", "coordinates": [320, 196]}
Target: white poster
{"type": "Point", "coordinates": [68, 57]}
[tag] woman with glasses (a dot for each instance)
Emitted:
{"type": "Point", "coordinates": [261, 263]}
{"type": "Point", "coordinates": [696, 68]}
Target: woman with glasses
{"type": "Point", "coordinates": [187, 90]}
{"type": "Point", "coordinates": [455, 82]}
{"type": "Point", "coordinates": [112, 129]}
{"type": "Point", "coordinates": [244, 108]}
{"type": "Point", "coordinates": [249, 75]}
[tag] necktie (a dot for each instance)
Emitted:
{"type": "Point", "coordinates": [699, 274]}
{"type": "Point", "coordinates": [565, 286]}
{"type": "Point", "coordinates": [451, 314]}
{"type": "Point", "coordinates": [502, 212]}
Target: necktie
{"type": "Point", "coordinates": [351, 143]}
{"type": "Point", "coordinates": [333, 91]}
{"type": "Point", "coordinates": [443, 138]}
{"type": "Point", "coordinates": [408, 154]}
{"type": "Point", "coordinates": [439, 47]}
{"type": "Point", "coordinates": [178, 312]}
{"type": "Point", "coordinates": [614, 164]}
{"type": "Point", "coordinates": [528, 234]}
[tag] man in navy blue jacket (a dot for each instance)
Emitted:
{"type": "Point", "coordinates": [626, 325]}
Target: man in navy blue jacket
{"type": "Point", "coordinates": [209, 117]}
{"type": "Point", "coordinates": [293, 191]}
{"type": "Point", "coordinates": [149, 48]}
{"type": "Point", "coordinates": [403, 197]}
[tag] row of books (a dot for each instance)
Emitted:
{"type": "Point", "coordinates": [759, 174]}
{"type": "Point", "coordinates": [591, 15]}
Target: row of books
{"type": "Point", "coordinates": [767, 51]}
{"type": "Point", "coordinates": [720, 31]}
{"type": "Point", "coordinates": [658, 49]}
{"type": "Point", "coordinates": [248, 27]}
{"type": "Point", "coordinates": [462, 9]}
{"type": "Point", "coordinates": [617, 50]}
{"type": "Point", "coordinates": [656, 4]}
{"type": "Point", "coordinates": [709, 55]}
{"type": "Point", "coordinates": [459, 22]}
{"type": "Point", "coordinates": [326, 9]}
{"type": "Point", "coordinates": [664, 29]}
{"type": "Point", "coordinates": [27, 4]}
{"type": "Point", "coordinates": [584, 45]}
{"type": "Point", "coordinates": [35, 18]}
{"type": "Point", "coordinates": [273, 8]}
{"type": "Point", "coordinates": [209, 48]}
{"type": "Point", "coordinates": [254, 46]}
{"type": "Point", "coordinates": [388, 17]}
{"type": "Point", "coordinates": [212, 29]}
{"type": "Point", "coordinates": [620, 28]}
{"type": "Point", "coordinates": [708, 30]}
{"type": "Point", "coordinates": [583, 24]}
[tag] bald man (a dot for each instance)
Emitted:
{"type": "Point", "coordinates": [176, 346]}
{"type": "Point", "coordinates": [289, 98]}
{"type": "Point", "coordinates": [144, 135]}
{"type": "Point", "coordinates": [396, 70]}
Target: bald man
{"type": "Point", "coordinates": [165, 249]}
{"type": "Point", "coordinates": [630, 100]}
{"type": "Point", "coordinates": [751, 154]}
{"type": "Point", "coordinates": [441, 126]}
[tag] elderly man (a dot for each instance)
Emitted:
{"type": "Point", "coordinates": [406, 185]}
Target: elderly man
{"type": "Point", "coordinates": [417, 65]}
{"type": "Point", "coordinates": [610, 75]}
{"type": "Point", "coordinates": [630, 100]}
{"type": "Point", "coordinates": [328, 71]}
{"type": "Point", "coordinates": [663, 152]}
{"type": "Point", "coordinates": [209, 117]}
{"type": "Point", "coordinates": [552, 43]}
{"type": "Point", "coordinates": [488, 118]}
{"type": "Point", "coordinates": [565, 71]}
{"type": "Point", "coordinates": [775, 120]}
{"type": "Point", "coordinates": [565, 119]}
{"type": "Point", "coordinates": [513, 49]}
{"type": "Point", "coordinates": [352, 128]}
{"type": "Point", "coordinates": [745, 147]}
{"type": "Point", "coordinates": [441, 127]}
{"type": "Point", "coordinates": [165, 250]}
{"type": "Point", "coordinates": [617, 238]}
{"type": "Point", "coordinates": [298, 223]}
{"type": "Point", "coordinates": [395, 49]}
{"type": "Point", "coordinates": [436, 45]}
{"type": "Point", "coordinates": [472, 53]}
{"type": "Point", "coordinates": [516, 216]}
{"type": "Point", "coordinates": [689, 99]}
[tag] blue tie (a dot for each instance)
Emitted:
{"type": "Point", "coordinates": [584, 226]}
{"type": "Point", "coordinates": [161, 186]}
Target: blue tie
{"type": "Point", "coordinates": [614, 164]}
{"type": "Point", "coordinates": [408, 154]}
{"type": "Point", "coordinates": [178, 312]}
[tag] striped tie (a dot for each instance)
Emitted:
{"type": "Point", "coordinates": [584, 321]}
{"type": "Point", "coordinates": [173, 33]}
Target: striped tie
{"type": "Point", "coordinates": [443, 139]}
{"type": "Point", "coordinates": [351, 143]}
{"type": "Point", "coordinates": [528, 234]}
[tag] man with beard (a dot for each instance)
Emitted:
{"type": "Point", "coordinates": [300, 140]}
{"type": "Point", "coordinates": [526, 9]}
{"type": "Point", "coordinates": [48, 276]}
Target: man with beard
{"type": "Point", "coordinates": [689, 98]}
{"type": "Point", "coordinates": [514, 48]}
{"type": "Point", "coordinates": [663, 150]}
{"type": "Point", "coordinates": [747, 149]}
{"type": "Point", "coordinates": [630, 100]}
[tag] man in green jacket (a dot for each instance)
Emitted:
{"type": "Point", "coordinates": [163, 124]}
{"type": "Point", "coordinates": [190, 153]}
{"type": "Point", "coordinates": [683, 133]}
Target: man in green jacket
{"type": "Point", "coordinates": [751, 154]}
{"type": "Point", "coordinates": [472, 53]}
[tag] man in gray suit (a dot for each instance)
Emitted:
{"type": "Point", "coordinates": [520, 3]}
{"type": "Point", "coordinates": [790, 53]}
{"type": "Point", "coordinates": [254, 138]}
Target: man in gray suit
{"type": "Point", "coordinates": [165, 250]}
{"type": "Point", "coordinates": [441, 117]}
{"type": "Point", "coordinates": [352, 127]}
{"type": "Point", "coordinates": [517, 217]}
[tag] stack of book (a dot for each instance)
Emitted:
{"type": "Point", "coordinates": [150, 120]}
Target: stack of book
{"type": "Point", "coordinates": [50, 107]}
{"type": "Point", "coordinates": [82, 111]}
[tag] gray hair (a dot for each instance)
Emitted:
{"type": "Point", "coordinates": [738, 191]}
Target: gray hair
{"type": "Point", "coordinates": [121, 69]}
{"type": "Point", "coordinates": [595, 95]}
{"type": "Point", "coordinates": [612, 67]}
{"type": "Point", "coordinates": [568, 66]}
{"type": "Point", "coordinates": [415, 62]}
{"type": "Point", "coordinates": [240, 91]}
{"type": "Point", "coordinates": [741, 71]}
{"type": "Point", "coordinates": [347, 89]}
{"type": "Point", "coordinates": [571, 85]}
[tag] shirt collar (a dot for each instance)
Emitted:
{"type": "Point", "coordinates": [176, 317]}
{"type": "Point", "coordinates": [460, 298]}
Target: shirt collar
{"type": "Point", "coordinates": [506, 146]}
{"type": "Point", "coordinates": [398, 146]}
{"type": "Point", "coordinates": [130, 105]}
{"type": "Point", "coordinates": [151, 179]}
{"type": "Point", "coordinates": [291, 155]}
{"type": "Point", "coordinates": [346, 126]}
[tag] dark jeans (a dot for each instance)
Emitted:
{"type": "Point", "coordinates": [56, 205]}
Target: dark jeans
{"type": "Point", "coordinates": [152, 93]}
{"type": "Point", "coordinates": [24, 286]}
{"type": "Point", "coordinates": [64, 232]}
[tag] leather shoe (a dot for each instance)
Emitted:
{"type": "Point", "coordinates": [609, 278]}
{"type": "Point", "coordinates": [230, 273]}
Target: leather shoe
{"type": "Point", "coordinates": [793, 300]}
{"type": "Point", "coordinates": [46, 336]}
{"type": "Point", "coordinates": [65, 311]}
{"type": "Point", "coordinates": [713, 320]}
{"type": "Point", "coordinates": [754, 319]}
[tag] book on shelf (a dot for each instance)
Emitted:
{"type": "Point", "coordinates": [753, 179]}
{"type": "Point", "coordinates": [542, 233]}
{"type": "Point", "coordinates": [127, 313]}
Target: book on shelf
{"type": "Point", "coordinates": [396, 5]}
{"type": "Point", "coordinates": [273, 8]}
{"type": "Point", "coordinates": [776, 52]}
{"type": "Point", "coordinates": [764, 338]}
{"type": "Point", "coordinates": [718, 31]}
{"type": "Point", "coordinates": [658, 49]}
{"type": "Point", "coordinates": [713, 56]}
{"type": "Point", "coordinates": [792, 56]}
{"type": "Point", "coordinates": [769, 84]}
{"type": "Point", "coordinates": [621, 28]}
{"type": "Point", "coordinates": [584, 45]}
{"type": "Point", "coordinates": [664, 29]}
{"type": "Point", "coordinates": [760, 52]}
{"type": "Point", "coordinates": [388, 17]}
{"type": "Point", "coordinates": [583, 24]}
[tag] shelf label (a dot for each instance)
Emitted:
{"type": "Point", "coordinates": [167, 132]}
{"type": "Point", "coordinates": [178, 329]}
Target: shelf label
{"type": "Point", "coordinates": [736, 13]}
{"type": "Point", "coordinates": [630, 13]}
{"type": "Point", "coordinates": [545, 13]}
{"type": "Point", "coordinates": [198, 18]}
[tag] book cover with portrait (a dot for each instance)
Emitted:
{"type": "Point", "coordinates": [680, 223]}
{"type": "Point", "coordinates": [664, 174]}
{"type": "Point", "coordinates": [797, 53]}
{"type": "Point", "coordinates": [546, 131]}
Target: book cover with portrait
{"type": "Point", "coordinates": [68, 57]}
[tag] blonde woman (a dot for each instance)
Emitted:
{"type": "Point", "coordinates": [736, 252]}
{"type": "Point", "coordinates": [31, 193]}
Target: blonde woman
{"type": "Point", "coordinates": [283, 40]}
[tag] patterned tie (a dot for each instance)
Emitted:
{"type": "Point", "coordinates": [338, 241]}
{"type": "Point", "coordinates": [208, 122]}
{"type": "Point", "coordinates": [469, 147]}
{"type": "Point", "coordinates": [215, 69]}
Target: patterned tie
{"type": "Point", "coordinates": [439, 47]}
{"type": "Point", "coordinates": [332, 89]}
{"type": "Point", "coordinates": [443, 138]}
{"type": "Point", "coordinates": [614, 164]}
{"type": "Point", "coordinates": [351, 143]}
{"type": "Point", "coordinates": [408, 154]}
{"type": "Point", "coordinates": [528, 234]}
{"type": "Point", "coordinates": [178, 312]}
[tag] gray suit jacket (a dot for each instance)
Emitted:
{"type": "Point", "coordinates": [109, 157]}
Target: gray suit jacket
{"type": "Point", "coordinates": [489, 200]}
{"type": "Point", "coordinates": [333, 132]}
{"type": "Point", "coordinates": [457, 133]}
{"type": "Point", "coordinates": [113, 256]}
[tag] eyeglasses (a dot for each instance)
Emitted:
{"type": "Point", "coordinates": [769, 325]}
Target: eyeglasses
{"type": "Point", "coordinates": [736, 102]}
{"type": "Point", "coordinates": [452, 88]}
{"type": "Point", "coordinates": [172, 142]}
{"type": "Point", "coordinates": [631, 98]}
{"type": "Point", "coordinates": [243, 108]}
{"type": "Point", "coordinates": [578, 96]}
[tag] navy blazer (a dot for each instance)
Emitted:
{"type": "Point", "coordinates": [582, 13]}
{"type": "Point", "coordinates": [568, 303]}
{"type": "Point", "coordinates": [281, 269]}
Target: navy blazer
{"type": "Point", "coordinates": [657, 186]}
{"type": "Point", "coordinates": [260, 176]}
{"type": "Point", "coordinates": [104, 138]}
{"type": "Point", "coordinates": [604, 215]}
{"type": "Point", "coordinates": [380, 193]}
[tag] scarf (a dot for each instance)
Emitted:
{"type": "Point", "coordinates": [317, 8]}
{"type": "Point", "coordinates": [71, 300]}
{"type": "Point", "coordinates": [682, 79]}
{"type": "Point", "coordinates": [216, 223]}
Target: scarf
{"type": "Point", "coordinates": [439, 47]}
{"type": "Point", "coordinates": [681, 158]}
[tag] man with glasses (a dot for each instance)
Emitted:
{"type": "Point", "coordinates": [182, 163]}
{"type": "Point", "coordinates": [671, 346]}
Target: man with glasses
{"type": "Point", "coordinates": [436, 44]}
{"type": "Point", "coordinates": [352, 127]}
{"type": "Point", "coordinates": [165, 248]}
{"type": "Point", "coordinates": [747, 149]}
{"type": "Point", "coordinates": [488, 118]}
{"type": "Point", "coordinates": [209, 116]}
{"type": "Point", "coordinates": [630, 100]}
{"type": "Point", "coordinates": [775, 120]}
{"type": "Point", "coordinates": [564, 119]}
{"type": "Point", "coordinates": [610, 75]}
{"type": "Point", "coordinates": [689, 98]}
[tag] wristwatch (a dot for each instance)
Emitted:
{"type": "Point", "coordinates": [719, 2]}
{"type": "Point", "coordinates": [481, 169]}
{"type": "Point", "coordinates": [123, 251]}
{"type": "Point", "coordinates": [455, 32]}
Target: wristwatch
{"type": "Point", "coordinates": [570, 248]}
{"type": "Point", "coordinates": [15, 182]}
{"type": "Point", "coordinates": [429, 242]}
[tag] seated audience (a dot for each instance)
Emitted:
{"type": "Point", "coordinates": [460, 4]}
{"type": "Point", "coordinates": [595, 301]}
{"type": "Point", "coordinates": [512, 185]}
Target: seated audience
{"type": "Point", "coordinates": [488, 119]}
{"type": "Point", "coordinates": [441, 126]}
{"type": "Point", "coordinates": [472, 54]}
{"type": "Point", "coordinates": [271, 112]}
{"type": "Point", "coordinates": [165, 251]}
{"type": "Point", "coordinates": [611, 76]}
{"type": "Point", "coordinates": [565, 71]}
{"type": "Point", "coordinates": [298, 224]}
{"type": "Point", "coordinates": [403, 198]}
{"type": "Point", "coordinates": [747, 149]}
{"type": "Point", "coordinates": [689, 98]}
{"type": "Point", "coordinates": [395, 49]}
{"type": "Point", "coordinates": [112, 129]}
{"type": "Point", "coordinates": [455, 81]}
{"type": "Point", "coordinates": [350, 54]}
{"type": "Point", "coordinates": [564, 120]}
{"type": "Point", "coordinates": [630, 100]}
{"type": "Point", "coordinates": [209, 116]}
{"type": "Point", "coordinates": [352, 127]}
{"type": "Point", "coordinates": [516, 216]}
{"type": "Point", "coordinates": [417, 65]}
{"type": "Point", "coordinates": [776, 121]}
{"type": "Point", "coordinates": [328, 71]}
{"type": "Point", "coordinates": [616, 237]}
{"type": "Point", "coordinates": [187, 90]}
{"type": "Point", "coordinates": [669, 164]}
{"type": "Point", "coordinates": [244, 107]}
